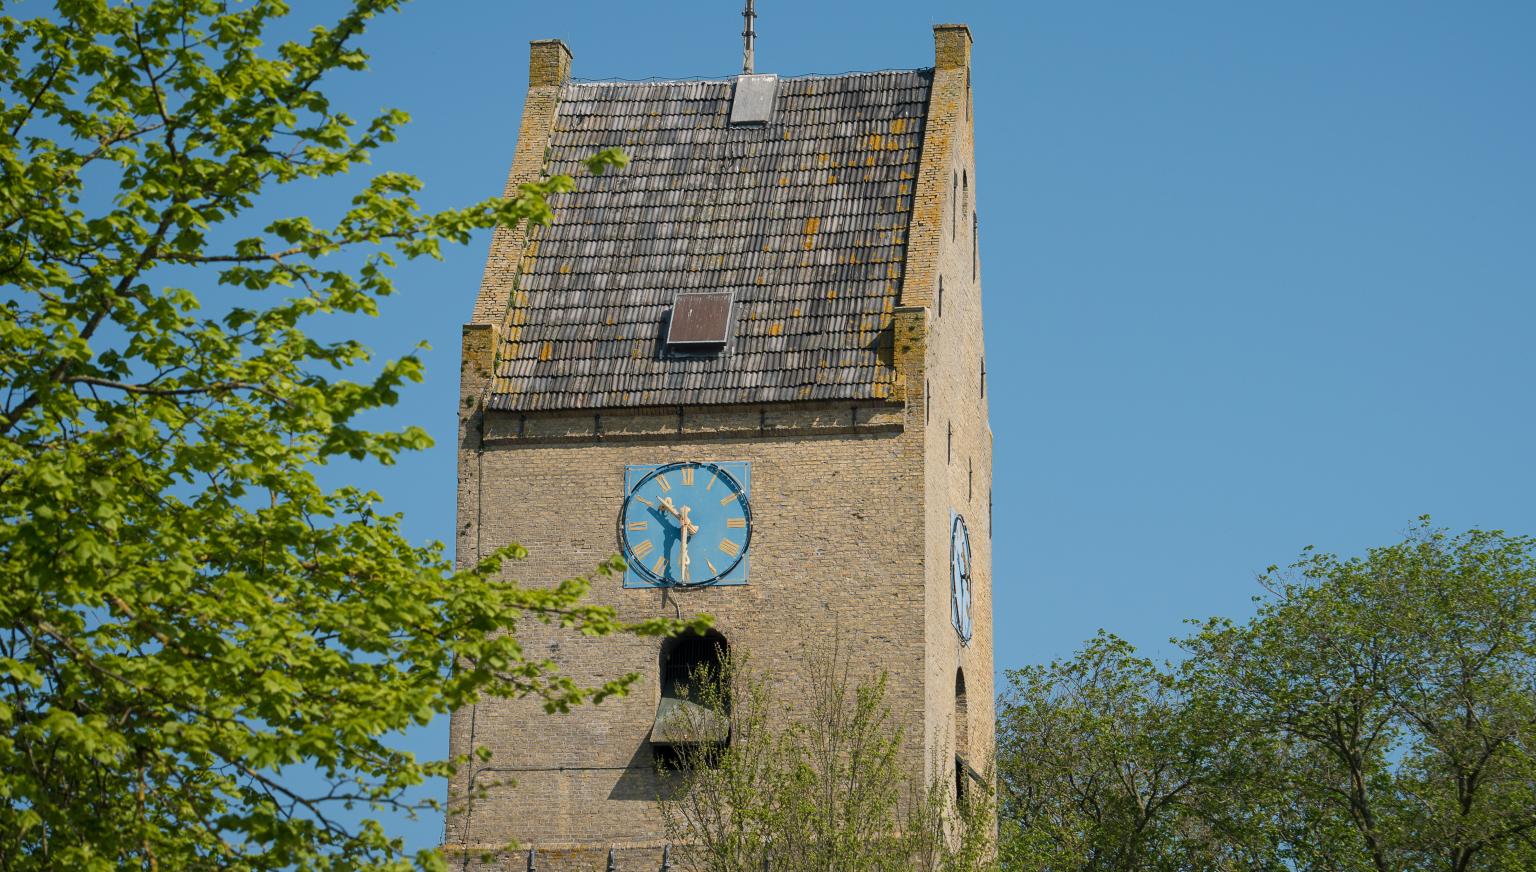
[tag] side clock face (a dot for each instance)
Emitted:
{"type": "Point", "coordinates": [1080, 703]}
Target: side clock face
{"type": "Point", "coordinates": [960, 577]}
{"type": "Point", "coordinates": [686, 524]}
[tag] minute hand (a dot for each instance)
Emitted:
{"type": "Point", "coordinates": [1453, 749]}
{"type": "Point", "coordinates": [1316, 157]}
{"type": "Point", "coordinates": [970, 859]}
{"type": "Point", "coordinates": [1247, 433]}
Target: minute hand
{"type": "Point", "coordinates": [687, 527]}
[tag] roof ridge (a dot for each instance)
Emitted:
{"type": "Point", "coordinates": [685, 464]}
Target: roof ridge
{"type": "Point", "coordinates": [688, 80]}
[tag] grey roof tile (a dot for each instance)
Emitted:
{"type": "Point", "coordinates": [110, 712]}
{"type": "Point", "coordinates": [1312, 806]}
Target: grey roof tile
{"type": "Point", "coordinates": [804, 219]}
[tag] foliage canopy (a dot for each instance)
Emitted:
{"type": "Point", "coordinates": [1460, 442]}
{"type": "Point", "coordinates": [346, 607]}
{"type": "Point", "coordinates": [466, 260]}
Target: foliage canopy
{"type": "Point", "coordinates": [203, 651]}
{"type": "Point", "coordinates": [1378, 714]}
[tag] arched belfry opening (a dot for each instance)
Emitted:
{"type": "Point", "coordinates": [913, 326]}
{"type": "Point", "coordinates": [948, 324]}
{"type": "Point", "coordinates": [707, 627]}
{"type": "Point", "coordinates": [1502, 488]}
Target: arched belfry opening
{"type": "Point", "coordinates": [694, 704]}
{"type": "Point", "coordinates": [962, 735]}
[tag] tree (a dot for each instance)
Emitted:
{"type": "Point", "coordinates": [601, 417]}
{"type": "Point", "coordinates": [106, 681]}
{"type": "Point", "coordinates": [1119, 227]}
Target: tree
{"type": "Point", "coordinates": [821, 788]}
{"type": "Point", "coordinates": [194, 634]}
{"type": "Point", "coordinates": [1106, 762]}
{"type": "Point", "coordinates": [1399, 691]}
{"type": "Point", "coordinates": [1377, 713]}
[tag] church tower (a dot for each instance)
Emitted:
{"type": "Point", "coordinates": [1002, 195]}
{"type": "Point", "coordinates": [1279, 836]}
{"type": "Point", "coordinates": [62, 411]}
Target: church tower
{"type": "Point", "coordinates": [751, 362]}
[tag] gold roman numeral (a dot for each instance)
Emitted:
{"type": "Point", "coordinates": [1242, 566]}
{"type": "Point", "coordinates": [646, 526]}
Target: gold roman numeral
{"type": "Point", "coordinates": [665, 485]}
{"type": "Point", "coordinates": [660, 562]}
{"type": "Point", "coordinates": [646, 501]}
{"type": "Point", "coordinates": [642, 549]}
{"type": "Point", "coordinates": [726, 500]}
{"type": "Point", "coordinates": [738, 523]}
{"type": "Point", "coordinates": [640, 525]}
{"type": "Point", "coordinates": [687, 476]}
{"type": "Point", "coordinates": [712, 569]}
{"type": "Point", "coordinates": [730, 547]}
{"type": "Point", "coordinates": [712, 478]}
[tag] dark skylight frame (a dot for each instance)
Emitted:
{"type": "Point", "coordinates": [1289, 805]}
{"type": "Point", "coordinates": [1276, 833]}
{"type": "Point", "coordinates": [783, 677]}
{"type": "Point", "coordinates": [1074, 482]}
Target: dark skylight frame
{"type": "Point", "coordinates": [701, 320]}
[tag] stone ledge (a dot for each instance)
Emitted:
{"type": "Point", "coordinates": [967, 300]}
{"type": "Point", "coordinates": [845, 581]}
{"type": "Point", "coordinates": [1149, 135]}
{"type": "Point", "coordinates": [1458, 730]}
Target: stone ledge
{"type": "Point", "coordinates": [686, 423]}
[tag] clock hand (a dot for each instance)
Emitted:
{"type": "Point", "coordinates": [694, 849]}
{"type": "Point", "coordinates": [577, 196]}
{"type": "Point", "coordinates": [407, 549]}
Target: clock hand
{"type": "Point", "coordinates": [686, 524]}
{"type": "Point", "coordinates": [682, 516]}
{"type": "Point", "coordinates": [687, 527]}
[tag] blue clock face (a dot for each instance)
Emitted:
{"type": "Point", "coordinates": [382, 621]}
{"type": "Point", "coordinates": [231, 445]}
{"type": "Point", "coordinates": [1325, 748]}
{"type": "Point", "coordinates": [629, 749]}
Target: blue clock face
{"type": "Point", "coordinates": [960, 577]}
{"type": "Point", "coordinates": [686, 524]}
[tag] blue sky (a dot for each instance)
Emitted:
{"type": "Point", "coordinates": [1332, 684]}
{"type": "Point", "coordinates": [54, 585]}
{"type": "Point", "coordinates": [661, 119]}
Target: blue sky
{"type": "Point", "coordinates": [1256, 276]}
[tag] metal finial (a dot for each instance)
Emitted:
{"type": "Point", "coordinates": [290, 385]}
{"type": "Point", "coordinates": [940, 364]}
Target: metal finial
{"type": "Point", "coordinates": [613, 863]}
{"type": "Point", "coordinates": [749, 38]}
{"type": "Point", "coordinates": [532, 852]}
{"type": "Point", "coordinates": [666, 850]}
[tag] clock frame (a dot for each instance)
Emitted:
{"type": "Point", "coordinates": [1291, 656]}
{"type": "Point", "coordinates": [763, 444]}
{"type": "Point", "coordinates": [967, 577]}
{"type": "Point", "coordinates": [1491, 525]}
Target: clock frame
{"type": "Point", "coordinates": [715, 498]}
{"type": "Point", "coordinates": [960, 576]}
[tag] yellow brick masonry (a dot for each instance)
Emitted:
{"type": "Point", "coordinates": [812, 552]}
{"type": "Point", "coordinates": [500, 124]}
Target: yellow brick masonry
{"type": "Point", "coordinates": [851, 510]}
{"type": "Point", "coordinates": [958, 437]}
{"type": "Point", "coordinates": [834, 555]}
{"type": "Point", "coordinates": [549, 65]}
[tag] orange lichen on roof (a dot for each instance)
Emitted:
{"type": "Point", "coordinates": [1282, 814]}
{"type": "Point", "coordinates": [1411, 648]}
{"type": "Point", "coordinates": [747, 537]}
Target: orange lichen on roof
{"type": "Point", "coordinates": [812, 225]}
{"type": "Point", "coordinates": [754, 206]}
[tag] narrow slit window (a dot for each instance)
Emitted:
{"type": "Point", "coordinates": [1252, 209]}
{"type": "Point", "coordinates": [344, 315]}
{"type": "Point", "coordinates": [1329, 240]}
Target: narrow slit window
{"type": "Point", "coordinates": [949, 442]}
{"type": "Point", "coordinates": [941, 298]}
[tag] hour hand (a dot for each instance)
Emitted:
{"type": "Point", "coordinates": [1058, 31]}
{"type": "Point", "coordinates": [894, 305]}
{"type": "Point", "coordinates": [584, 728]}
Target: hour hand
{"type": "Point", "coordinates": [681, 516]}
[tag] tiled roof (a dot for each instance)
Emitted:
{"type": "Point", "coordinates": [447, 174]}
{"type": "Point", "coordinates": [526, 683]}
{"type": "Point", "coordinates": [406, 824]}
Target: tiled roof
{"type": "Point", "coordinates": [804, 219]}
